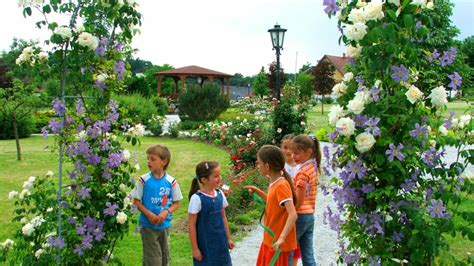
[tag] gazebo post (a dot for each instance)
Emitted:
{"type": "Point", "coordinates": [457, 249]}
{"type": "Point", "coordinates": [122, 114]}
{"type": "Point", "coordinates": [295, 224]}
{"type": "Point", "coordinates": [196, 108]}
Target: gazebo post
{"type": "Point", "coordinates": [183, 79]}
{"type": "Point", "coordinates": [228, 88]}
{"type": "Point", "coordinates": [160, 78]}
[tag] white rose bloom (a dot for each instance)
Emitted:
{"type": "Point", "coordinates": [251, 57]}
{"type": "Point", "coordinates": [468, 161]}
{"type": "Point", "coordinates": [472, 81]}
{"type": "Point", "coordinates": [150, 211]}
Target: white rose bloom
{"type": "Point", "coordinates": [378, 83]}
{"type": "Point", "coordinates": [438, 96]}
{"type": "Point", "coordinates": [345, 126]}
{"type": "Point", "coordinates": [24, 193]}
{"type": "Point", "coordinates": [455, 122]}
{"type": "Point", "coordinates": [355, 32]}
{"type": "Point", "coordinates": [130, 2]}
{"type": "Point", "coordinates": [49, 173]}
{"type": "Point", "coordinates": [126, 155]}
{"type": "Point", "coordinates": [12, 194]}
{"type": "Point", "coordinates": [86, 39]}
{"type": "Point", "coordinates": [348, 77]}
{"type": "Point", "coordinates": [24, 220]}
{"type": "Point", "coordinates": [64, 32]}
{"type": "Point", "coordinates": [339, 89]}
{"type": "Point", "coordinates": [79, 27]}
{"type": "Point", "coordinates": [352, 51]}
{"type": "Point", "coordinates": [39, 252]}
{"type": "Point", "coordinates": [32, 179]}
{"type": "Point", "coordinates": [126, 202]}
{"type": "Point", "coordinates": [335, 112]}
{"type": "Point", "coordinates": [27, 229]}
{"type": "Point", "coordinates": [122, 187]}
{"type": "Point", "coordinates": [137, 167]}
{"type": "Point", "coordinates": [443, 131]}
{"type": "Point", "coordinates": [356, 105]}
{"type": "Point", "coordinates": [121, 217]}
{"type": "Point", "coordinates": [279, 130]}
{"type": "Point", "coordinates": [430, 5]}
{"type": "Point", "coordinates": [413, 94]}
{"type": "Point", "coordinates": [468, 174]}
{"type": "Point", "coordinates": [78, 205]}
{"type": "Point", "coordinates": [111, 195]}
{"type": "Point", "coordinates": [361, 3]}
{"type": "Point", "coordinates": [365, 141]}
{"type": "Point", "coordinates": [37, 221]}
{"type": "Point", "coordinates": [432, 142]}
{"type": "Point", "coordinates": [43, 56]}
{"type": "Point", "coordinates": [465, 120]}
{"type": "Point", "coordinates": [50, 209]}
{"type": "Point", "coordinates": [420, 3]}
{"type": "Point", "coordinates": [8, 243]}
{"type": "Point", "coordinates": [363, 96]}
{"type": "Point", "coordinates": [357, 15]}
{"type": "Point", "coordinates": [373, 10]}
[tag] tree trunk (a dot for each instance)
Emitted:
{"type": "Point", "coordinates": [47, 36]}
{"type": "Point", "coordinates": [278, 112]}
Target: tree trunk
{"type": "Point", "coordinates": [17, 138]}
{"type": "Point", "coordinates": [322, 104]}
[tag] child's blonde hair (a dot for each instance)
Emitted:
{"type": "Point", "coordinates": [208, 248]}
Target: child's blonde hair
{"type": "Point", "coordinates": [160, 151]}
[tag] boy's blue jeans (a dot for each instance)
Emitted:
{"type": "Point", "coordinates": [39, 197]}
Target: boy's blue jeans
{"type": "Point", "coordinates": [304, 235]}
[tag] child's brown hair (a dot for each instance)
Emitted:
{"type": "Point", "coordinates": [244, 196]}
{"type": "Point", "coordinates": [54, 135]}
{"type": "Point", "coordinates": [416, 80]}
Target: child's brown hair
{"type": "Point", "coordinates": [276, 160]}
{"type": "Point", "coordinates": [203, 170]}
{"type": "Point", "coordinates": [160, 151]}
{"type": "Point", "coordinates": [304, 142]}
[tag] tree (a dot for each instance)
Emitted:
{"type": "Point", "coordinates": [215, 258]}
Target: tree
{"type": "Point", "coordinates": [260, 84]}
{"type": "Point", "coordinates": [16, 104]}
{"type": "Point", "coordinates": [272, 77]}
{"type": "Point", "coordinates": [305, 67]}
{"type": "Point", "coordinates": [167, 84]}
{"type": "Point", "coordinates": [138, 65]}
{"type": "Point", "coordinates": [305, 83]}
{"type": "Point", "coordinates": [323, 80]}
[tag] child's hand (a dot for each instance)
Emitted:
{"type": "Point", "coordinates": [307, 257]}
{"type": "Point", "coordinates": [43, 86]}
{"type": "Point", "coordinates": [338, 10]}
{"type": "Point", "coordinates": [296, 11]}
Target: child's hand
{"type": "Point", "coordinates": [251, 188]}
{"type": "Point", "coordinates": [161, 217]}
{"type": "Point", "coordinates": [277, 244]}
{"type": "Point", "coordinates": [154, 219]}
{"type": "Point", "coordinates": [197, 254]}
{"type": "Point", "coordinates": [231, 244]}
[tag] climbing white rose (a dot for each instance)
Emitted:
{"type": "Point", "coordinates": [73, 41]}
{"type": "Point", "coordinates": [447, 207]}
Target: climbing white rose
{"type": "Point", "coordinates": [8, 244]}
{"type": "Point", "coordinates": [357, 15]}
{"type": "Point", "coordinates": [64, 32]}
{"type": "Point", "coordinates": [12, 194]}
{"type": "Point", "coordinates": [49, 173]}
{"type": "Point", "coordinates": [352, 51]}
{"type": "Point", "coordinates": [365, 141]}
{"type": "Point", "coordinates": [28, 229]}
{"type": "Point", "coordinates": [339, 89]}
{"type": "Point", "coordinates": [356, 106]}
{"type": "Point", "coordinates": [345, 126]}
{"type": "Point", "coordinates": [355, 32]}
{"type": "Point", "coordinates": [443, 131]}
{"type": "Point", "coordinates": [438, 96]}
{"type": "Point", "coordinates": [126, 155]}
{"type": "Point", "coordinates": [348, 77]}
{"type": "Point", "coordinates": [373, 10]}
{"type": "Point", "coordinates": [86, 39]}
{"type": "Point", "coordinates": [335, 112]}
{"type": "Point", "coordinates": [39, 252]}
{"type": "Point", "coordinates": [121, 217]}
{"type": "Point", "coordinates": [413, 94]}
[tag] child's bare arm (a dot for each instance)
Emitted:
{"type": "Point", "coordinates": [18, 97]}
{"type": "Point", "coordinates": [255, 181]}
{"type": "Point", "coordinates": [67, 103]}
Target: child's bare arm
{"type": "Point", "coordinates": [259, 192]}
{"type": "Point", "coordinates": [164, 213]}
{"type": "Point", "coordinates": [150, 215]}
{"type": "Point", "coordinates": [300, 192]}
{"type": "Point", "coordinates": [227, 231]}
{"type": "Point", "coordinates": [193, 236]}
{"type": "Point", "coordinates": [290, 222]}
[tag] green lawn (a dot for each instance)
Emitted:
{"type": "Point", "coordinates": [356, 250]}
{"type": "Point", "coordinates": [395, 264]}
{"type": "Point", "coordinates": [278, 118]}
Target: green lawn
{"type": "Point", "coordinates": [38, 159]}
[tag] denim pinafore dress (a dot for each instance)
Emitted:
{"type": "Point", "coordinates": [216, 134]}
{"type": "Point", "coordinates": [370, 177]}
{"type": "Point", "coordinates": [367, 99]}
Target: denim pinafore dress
{"type": "Point", "coordinates": [211, 234]}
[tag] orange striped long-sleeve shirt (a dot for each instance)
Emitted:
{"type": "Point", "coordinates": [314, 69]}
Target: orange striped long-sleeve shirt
{"type": "Point", "coordinates": [307, 177]}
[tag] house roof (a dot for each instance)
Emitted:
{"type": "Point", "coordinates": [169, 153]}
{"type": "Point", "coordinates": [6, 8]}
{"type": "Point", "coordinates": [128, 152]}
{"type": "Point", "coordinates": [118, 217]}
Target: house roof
{"type": "Point", "coordinates": [338, 62]}
{"type": "Point", "coordinates": [192, 70]}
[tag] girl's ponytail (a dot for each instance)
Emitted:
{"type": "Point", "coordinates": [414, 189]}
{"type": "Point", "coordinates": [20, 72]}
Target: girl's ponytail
{"type": "Point", "coordinates": [194, 187]}
{"type": "Point", "coordinates": [316, 151]}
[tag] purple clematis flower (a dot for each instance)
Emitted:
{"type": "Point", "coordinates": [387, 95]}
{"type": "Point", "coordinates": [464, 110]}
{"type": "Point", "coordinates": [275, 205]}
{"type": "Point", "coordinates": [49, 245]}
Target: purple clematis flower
{"type": "Point", "coordinates": [395, 152]}
{"type": "Point", "coordinates": [331, 7]}
{"type": "Point", "coordinates": [400, 73]}
{"type": "Point", "coordinates": [456, 80]}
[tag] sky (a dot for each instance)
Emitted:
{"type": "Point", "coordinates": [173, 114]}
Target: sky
{"type": "Point", "coordinates": [226, 36]}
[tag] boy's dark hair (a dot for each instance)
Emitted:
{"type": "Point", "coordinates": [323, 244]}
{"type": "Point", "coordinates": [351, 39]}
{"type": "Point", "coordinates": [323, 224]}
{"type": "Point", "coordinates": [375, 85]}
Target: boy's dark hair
{"type": "Point", "coordinates": [160, 151]}
{"type": "Point", "coordinates": [304, 142]}
{"type": "Point", "coordinates": [276, 160]}
{"type": "Point", "coordinates": [203, 170]}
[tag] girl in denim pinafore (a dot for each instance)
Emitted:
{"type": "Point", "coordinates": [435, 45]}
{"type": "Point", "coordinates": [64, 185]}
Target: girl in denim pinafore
{"type": "Point", "coordinates": [208, 228]}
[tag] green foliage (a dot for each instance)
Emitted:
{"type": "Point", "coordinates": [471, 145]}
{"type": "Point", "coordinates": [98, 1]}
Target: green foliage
{"type": "Point", "coordinates": [161, 105]}
{"type": "Point", "coordinates": [155, 125]}
{"type": "Point", "coordinates": [41, 119]}
{"type": "Point", "coordinates": [202, 103]}
{"type": "Point", "coordinates": [260, 84]}
{"type": "Point", "coordinates": [239, 80]}
{"type": "Point", "coordinates": [305, 84]}
{"type": "Point", "coordinates": [139, 85]}
{"type": "Point", "coordinates": [289, 116]}
{"type": "Point", "coordinates": [190, 124]}
{"type": "Point", "coordinates": [167, 84]}
{"type": "Point", "coordinates": [25, 124]}
{"type": "Point", "coordinates": [173, 129]}
{"type": "Point", "coordinates": [138, 109]}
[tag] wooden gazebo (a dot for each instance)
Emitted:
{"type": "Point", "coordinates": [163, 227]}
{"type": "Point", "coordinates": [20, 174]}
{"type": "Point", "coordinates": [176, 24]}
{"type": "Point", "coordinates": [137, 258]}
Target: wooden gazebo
{"type": "Point", "coordinates": [202, 74]}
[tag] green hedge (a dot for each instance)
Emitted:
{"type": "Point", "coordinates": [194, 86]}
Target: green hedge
{"type": "Point", "coordinates": [140, 109]}
{"type": "Point", "coordinates": [202, 103]}
{"type": "Point", "coordinates": [25, 126]}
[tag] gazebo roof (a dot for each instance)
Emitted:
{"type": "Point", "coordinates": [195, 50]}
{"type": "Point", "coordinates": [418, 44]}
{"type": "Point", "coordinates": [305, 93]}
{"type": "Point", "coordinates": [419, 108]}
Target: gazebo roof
{"type": "Point", "coordinates": [192, 70]}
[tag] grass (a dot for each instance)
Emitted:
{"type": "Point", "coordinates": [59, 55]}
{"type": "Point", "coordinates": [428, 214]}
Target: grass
{"type": "Point", "coordinates": [38, 159]}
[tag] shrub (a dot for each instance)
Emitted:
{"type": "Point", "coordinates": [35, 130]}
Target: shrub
{"type": "Point", "coordinates": [173, 129]}
{"type": "Point", "coordinates": [25, 126]}
{"type": "Point", "coordinates": [202, 103]}
{"type": "Point", "coordinates": [138, 109]}
{"type": "Point", "coordinates": [41, 119]}
{"type": "Point", "coordinates": [139, 85]}
{"type": "Point", "coordinates": [155, 125]}
{"type": "Point", "coordinates": [161, 105]}
{"type": "Point", "coordinates": [322, 134]}
{"type": "Point", "coordinates": [190, 124]}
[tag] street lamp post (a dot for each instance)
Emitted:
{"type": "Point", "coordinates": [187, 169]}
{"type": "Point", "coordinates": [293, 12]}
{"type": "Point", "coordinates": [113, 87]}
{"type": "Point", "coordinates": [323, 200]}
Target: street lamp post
{"type": "Point", "coordinates": [278, 35]}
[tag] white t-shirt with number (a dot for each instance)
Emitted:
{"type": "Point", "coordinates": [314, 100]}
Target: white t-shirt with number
{"type": "Point", "coordinates": [195, 202]}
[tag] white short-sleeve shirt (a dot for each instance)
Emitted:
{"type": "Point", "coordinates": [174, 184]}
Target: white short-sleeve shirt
{"type": "Point", "coordinates": [195, 202]}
